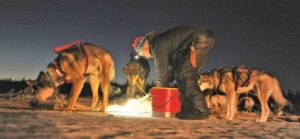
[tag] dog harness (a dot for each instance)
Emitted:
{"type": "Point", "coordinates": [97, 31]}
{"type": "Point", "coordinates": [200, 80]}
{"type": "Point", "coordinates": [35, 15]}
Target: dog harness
{"type": "Point", "coordinates": [221, 72]}
{"type": "Point", "coordinates": [237, 76]}
{"type": "Point", "coordinates": [61, 49]}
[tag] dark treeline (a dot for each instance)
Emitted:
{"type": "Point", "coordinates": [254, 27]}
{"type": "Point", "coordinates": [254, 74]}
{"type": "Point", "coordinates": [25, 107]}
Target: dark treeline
{"type": "Point", "coordinates": [294, 97]}
{"type": "Point", "coordinates": [6, 84]}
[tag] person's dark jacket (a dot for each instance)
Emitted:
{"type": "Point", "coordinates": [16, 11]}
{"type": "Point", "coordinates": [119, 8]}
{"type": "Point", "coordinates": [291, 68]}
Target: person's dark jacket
{"type": "Point", "coordinates": [168, 47]}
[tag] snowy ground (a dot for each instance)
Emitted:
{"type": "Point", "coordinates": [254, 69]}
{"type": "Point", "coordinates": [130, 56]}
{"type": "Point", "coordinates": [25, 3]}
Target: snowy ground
{"type": "Point", "coordinates": [19, 121]}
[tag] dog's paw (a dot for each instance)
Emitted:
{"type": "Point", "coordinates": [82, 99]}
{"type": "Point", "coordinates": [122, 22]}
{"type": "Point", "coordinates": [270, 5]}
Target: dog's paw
{"type": "Point", "coordinates": [227, 117]}
{"type": "Point", "coordinates": [260, 120]}
{"type": "Point", "coordinates": [95, 109]}
{"type": "Point", "coordinates": [66, 110]}
{"type": "Point", "coordinates": [102, 109]}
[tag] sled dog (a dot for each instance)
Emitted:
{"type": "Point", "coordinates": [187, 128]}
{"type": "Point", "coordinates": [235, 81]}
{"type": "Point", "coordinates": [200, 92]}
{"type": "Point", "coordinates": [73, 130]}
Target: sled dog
{"type": "Point", "coordinates": [74, 62]}
{"type": "Point", "coordinates": [246, 103]}
{"type": "Point", "coordinates": [234, 81]}
{"type": "Point", "coordinates": [137, 71]}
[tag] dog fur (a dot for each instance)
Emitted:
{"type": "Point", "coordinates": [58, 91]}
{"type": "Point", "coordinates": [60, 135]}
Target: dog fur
{"type": "Point", "coordinates": [262, 83]}
{"type": "Point", "coordinates": [247, 103]}
{"type": "Point", "coordinates": [218, 101]}
{"type": "Point", "coordinates": [97, 63]}
{"type": "Point", "coordinates": [137, 71]}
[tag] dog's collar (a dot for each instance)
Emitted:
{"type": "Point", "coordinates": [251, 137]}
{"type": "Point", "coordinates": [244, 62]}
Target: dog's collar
{"type": "Point", "coordinates": [59, 71]}
{"type": "Point", "coordinates": [54, 84]}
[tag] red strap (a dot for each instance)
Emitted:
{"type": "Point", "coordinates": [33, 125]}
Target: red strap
{"type": "Point", "coordinates": [63, 47]}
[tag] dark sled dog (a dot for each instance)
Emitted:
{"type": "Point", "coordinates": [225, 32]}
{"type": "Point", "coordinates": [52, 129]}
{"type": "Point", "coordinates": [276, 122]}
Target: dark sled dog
{"type": "Point", "coordinates": [137, 71]}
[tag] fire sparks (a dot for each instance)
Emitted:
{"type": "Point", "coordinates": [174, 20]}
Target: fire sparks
{"type": "Point", "coordinates": [133, 107]}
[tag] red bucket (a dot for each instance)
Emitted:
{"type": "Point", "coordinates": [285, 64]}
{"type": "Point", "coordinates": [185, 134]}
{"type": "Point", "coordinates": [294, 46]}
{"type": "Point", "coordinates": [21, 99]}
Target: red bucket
{"type": "Point", "coordinates": [165, 101]}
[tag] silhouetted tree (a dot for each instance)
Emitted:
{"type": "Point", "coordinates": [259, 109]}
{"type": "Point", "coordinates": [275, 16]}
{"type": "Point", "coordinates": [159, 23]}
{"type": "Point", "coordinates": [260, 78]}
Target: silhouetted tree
{"type": "Point", "coordinates": [7, 84]}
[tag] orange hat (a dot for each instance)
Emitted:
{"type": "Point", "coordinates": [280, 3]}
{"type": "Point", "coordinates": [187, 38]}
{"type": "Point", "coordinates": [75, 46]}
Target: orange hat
{"type": "Point", "coordinates": [138, 42]}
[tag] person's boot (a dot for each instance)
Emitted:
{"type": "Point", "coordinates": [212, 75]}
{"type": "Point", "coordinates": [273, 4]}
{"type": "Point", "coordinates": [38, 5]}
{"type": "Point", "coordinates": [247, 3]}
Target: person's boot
{"type": "Point", "coordinates": [200, 103]}
{"type": "Point", "coordinates": [195, 115]}
{"type": "Point", "coordinates": [186, 106]}
{"type": "Point", "coordinates": [199, 111]}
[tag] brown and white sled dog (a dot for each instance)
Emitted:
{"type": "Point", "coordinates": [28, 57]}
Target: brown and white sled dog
{"type": "Point", "coordinates": [72, 65]}
{"type": "Point", "coordinates": [218, 101]}
{"type": "Point", "coordinates": [137, 71]}
{"type": "Point", "coordinates": [246, 103]}
{"type": "Point", "coordinates": [260, 82]}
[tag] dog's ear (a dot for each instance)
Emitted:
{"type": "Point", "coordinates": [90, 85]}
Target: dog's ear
{"type": "Point", "coordinates": [28, 82]}
{"type": "Point", "coordinates": [31, 82]}
{"type": "Point", "coordinates": [125, 69]}
{"type": "Point", "coordinates": [42, 77]}
{"type": "Point", "coordinates": [142, 69]}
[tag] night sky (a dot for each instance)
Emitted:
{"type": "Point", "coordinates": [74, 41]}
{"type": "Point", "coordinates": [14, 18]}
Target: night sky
{"type": "Point", "coordinates": [256, 33]}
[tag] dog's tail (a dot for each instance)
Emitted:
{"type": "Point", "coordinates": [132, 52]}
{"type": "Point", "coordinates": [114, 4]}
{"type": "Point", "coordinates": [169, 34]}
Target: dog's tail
{"type": "Point", "coordinates": [278, 96]}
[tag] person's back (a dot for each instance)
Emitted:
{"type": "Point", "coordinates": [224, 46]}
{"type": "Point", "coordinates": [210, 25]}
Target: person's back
{"type": "Point", "coordinates": [176, 40]}
{"type": "Point", "coordinates": [171, 46]}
